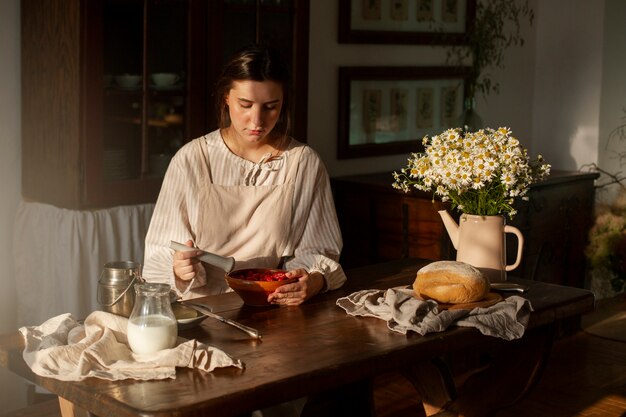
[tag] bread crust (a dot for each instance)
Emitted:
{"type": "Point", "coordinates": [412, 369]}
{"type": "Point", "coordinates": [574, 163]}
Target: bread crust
{"type": "Point", "coordinates": [451, 282]}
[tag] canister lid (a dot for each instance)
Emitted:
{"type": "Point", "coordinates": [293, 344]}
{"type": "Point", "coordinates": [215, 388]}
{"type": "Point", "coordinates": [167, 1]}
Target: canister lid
{"type": "Point", "coordinates": [120, 272]}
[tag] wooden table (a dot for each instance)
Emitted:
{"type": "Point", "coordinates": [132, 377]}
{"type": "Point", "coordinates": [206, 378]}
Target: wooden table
{"type": "Point", "coordinates": [315, 347]}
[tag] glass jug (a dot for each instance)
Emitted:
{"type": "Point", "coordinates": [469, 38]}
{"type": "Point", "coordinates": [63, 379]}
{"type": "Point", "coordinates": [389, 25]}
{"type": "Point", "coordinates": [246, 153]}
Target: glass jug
{"type": "Point", "coordinates": [152, 325]}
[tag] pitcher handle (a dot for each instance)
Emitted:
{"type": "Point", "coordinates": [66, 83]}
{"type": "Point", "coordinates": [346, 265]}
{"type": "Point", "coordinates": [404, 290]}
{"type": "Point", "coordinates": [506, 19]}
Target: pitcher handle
{"type": "Point", "coordinates": [520, 245]}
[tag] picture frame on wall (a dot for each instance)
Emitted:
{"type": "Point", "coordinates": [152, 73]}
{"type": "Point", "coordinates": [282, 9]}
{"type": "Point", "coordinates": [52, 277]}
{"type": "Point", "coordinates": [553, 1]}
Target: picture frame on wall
{"type": "Point", "coordinates": [388, 110]}
{"type": "Point", "coordinates": [405, 21]}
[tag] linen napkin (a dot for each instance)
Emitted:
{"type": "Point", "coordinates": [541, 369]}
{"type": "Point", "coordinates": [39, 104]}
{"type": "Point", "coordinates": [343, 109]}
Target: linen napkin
{"type": "Point", "coordinates": [403, 312]}
{"type": "Point", "coordinates": [62, 348]}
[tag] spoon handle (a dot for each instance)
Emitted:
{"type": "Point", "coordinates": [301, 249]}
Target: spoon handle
{"type": "Point", "coordinates": [204, 310]}
{"type": "Point", "coordinates": [222, 262]}
{"type": "Point", "coordinates": [508, 287]}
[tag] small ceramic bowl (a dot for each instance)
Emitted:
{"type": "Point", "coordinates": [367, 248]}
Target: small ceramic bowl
{"type": "Point", "coordinates": [253, 285]}
{"type": "Point", "coordinates": [186, 317]}
{"type": "Point", "coordinates": [128, 81]}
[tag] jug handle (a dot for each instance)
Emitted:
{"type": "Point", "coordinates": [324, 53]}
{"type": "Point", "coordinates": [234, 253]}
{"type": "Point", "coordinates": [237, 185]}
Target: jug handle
{"type": "Point", "coordinates": [520, 245]}
{"type": "Point", "coordinates": [136, 277]}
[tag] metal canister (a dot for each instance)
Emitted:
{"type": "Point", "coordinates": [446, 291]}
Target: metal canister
{"type": "Point", "coordinates": [115, 286]}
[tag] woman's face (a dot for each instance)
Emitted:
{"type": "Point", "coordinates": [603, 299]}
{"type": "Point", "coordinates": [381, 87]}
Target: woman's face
{"type": "Point", "coordinates": [254, 108]}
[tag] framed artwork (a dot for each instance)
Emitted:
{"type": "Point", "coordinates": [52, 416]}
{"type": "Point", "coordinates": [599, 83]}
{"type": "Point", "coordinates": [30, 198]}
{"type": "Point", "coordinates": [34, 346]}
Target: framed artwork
{"type": "Point", "coordinates": [388, 110]}
{"type": "Point", "coordinates": [405, 21]}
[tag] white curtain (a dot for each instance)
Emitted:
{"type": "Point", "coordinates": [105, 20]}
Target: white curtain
{"type": "Point", "coordinates": [59, 255]}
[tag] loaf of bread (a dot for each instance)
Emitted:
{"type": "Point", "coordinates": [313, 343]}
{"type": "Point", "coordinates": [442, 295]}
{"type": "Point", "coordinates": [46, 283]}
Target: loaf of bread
{"type": "Point", "coordinates": [451, 282]}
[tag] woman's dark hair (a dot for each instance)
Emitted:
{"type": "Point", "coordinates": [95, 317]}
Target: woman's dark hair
{"type": "Point", "coordinates": [254, 63]}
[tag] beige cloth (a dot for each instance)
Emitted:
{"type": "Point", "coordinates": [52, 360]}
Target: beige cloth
{"type": "Point", "coordinates": [403, 312]}
{"type": "Point", "coordinates": [205, 165]}
{"type": "Point", "coordinates": [63, 349]}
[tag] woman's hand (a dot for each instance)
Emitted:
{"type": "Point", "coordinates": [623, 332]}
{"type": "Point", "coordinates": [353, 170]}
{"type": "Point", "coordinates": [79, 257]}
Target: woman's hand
{"type": "Point", "coordinates": [298, 292]}
{"type": "Point", "coordinates": [186, 265]}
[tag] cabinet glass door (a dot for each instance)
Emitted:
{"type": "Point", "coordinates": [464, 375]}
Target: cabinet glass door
{"type": "Point", "coordinates": [166, 69]}
{"type": "Point", "coordinates": [148, 68]}
{"type": "Point", "coordinates": [123, 81]}
{"type": "Point", "coordinates": [144, 59]}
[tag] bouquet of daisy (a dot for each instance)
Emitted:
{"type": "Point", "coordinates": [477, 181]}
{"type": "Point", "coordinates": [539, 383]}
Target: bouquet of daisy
{"type": "Point", "coordinates": [479, 172]}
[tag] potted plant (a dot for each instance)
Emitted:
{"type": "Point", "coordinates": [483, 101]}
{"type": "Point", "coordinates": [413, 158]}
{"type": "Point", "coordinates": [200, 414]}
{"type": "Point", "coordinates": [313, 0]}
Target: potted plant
{"type": "Point", "coordinates": [606, 250]}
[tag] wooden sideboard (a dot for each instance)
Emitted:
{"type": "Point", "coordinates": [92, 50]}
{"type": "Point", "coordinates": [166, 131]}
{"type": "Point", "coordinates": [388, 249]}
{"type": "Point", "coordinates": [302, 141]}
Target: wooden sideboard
{"type": "Point", "coordinates": [379, 223]}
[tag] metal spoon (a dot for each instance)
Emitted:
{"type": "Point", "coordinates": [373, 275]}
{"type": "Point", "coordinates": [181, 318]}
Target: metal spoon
{"type": "Point", "coordinates": [207, 311]}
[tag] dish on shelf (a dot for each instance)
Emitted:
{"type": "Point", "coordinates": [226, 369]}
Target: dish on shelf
{"type": "Point", "coordinates": [128, 81]}
{"type": "Point", "coordinates": [165, 78]}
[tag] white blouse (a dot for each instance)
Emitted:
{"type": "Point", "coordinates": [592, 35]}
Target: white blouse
{"type": "Point", "coordinates": [315, 237]}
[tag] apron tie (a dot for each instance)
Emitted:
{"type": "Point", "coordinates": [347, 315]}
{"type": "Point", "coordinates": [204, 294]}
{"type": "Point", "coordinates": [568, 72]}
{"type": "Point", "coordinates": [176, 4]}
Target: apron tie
{"type": "Point", "coordinates": [252, 175]}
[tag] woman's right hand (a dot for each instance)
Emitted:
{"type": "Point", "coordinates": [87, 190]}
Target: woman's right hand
{"type": "Point", "coordinates": [186, 265]}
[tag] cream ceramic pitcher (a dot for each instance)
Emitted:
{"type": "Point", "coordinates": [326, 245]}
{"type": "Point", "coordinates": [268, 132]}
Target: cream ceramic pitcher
{"type": "Point", "coordinates": [480, 241]}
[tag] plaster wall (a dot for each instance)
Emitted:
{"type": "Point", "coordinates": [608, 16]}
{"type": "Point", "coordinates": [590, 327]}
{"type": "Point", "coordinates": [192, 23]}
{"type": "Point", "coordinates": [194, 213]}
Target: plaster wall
{"type": "Point", "coordinates": [512, 107]}
{"type": "Point", "coordinates": [613, 98]}
{"type": "Point", "coordinates": [12, 389]}
{"type": "Point", "coordinates": [567, 82]}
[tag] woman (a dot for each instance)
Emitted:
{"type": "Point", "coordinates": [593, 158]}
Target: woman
{"type": "Point", "coordinates": [249, 191]}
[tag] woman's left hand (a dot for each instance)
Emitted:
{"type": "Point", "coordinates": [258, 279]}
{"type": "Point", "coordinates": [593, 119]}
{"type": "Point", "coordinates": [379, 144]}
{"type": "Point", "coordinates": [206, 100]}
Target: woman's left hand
{"type": "Point", "coordinates": [298, 292]}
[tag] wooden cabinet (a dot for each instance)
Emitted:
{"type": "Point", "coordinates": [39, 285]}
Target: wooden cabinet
{"type": "Point", "coordinates": [555, 223]}
{"type": "Point", "coordinates": [99, 126]}
{"type": "Point", "coordinates": [379, 223]}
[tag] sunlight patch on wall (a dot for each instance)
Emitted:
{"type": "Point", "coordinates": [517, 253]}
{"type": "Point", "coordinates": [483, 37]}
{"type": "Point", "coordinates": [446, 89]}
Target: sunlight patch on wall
{"type": "Point", "coordinates": [584, 145]}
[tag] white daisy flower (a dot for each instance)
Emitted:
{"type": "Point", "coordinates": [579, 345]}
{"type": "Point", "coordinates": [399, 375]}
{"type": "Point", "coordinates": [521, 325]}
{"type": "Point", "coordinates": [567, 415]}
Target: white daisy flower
{"type": "Point", "coordinates": [491, 162]}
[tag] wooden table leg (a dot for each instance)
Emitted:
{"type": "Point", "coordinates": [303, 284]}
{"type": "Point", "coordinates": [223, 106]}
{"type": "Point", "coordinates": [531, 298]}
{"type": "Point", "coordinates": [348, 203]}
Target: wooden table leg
{"type": "Point", "coordinates": [434, 384]}
{"type": "Point", "coordinates": [68, 409]}
{"type": "Point", "coordinates": [514, 370]}
{"type": "Point", "coordinates": [508, 378]}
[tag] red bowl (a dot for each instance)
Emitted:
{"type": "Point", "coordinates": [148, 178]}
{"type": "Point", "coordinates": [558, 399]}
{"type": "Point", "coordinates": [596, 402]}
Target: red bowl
{"type": "Point", "coordinates": [255, 292]}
